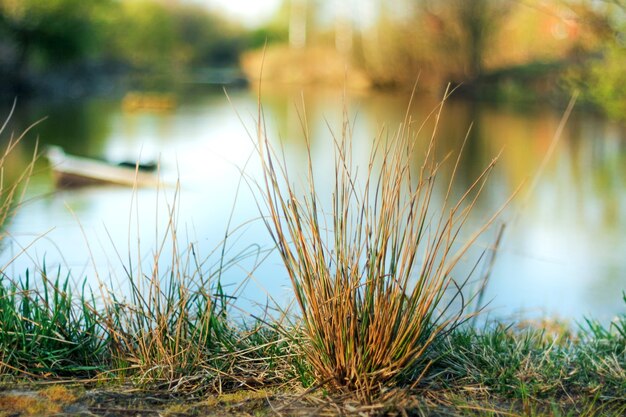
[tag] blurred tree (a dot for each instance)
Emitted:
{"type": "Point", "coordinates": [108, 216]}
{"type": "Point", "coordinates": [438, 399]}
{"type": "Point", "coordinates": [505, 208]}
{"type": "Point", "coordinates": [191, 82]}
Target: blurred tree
{"type": "Point", "coordinates": [442, 40]}
{"type": "Point", "coordinates": [144, 35]}
{"type": "Point", "coordinates": [63, 38]}
{"type": "Point", "coordinates": [468, 27]}
{"type": "Point", "coordinates": [298, 23]}
{"type": "Point", "coordinates": [601, 77]}
{"type": "Point", "coordinates": [167, 39]}
{"type": "Point", "coordinates": [205, 39]}
{"type": "Point", "coordinates": [479, 20]}
{"type": "Point", "coordinates": [607, 81]}
{"type": "Point", "coordinates": [620, 3]}
{"type": "Point", "coordinates": [274, 31]}
{"type": "Point", "coordinates": [43, 33]}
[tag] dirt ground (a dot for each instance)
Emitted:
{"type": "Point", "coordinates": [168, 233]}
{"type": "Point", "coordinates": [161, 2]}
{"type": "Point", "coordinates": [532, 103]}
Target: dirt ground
{"type": "Point", "coordinates": [76, 400]}
{"type": "Point", "coordinates": [80, 401]}
{"type": "Point", "coordinates": [105, 400]}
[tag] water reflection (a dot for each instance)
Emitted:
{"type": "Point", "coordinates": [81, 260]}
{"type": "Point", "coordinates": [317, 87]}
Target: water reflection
{"type": "Point", "coordinates": [563, 249]}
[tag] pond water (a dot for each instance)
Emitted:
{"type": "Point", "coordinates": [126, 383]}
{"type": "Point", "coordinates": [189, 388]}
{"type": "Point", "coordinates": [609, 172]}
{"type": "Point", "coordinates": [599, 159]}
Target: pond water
{"type": "Point", "coordinates": [563, 251]}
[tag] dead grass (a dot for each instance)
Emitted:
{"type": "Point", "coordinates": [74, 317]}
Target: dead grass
{"type": "Point", "coordinates": [173, 319]}
{"type": "Point", "coordinates": [373, 274]}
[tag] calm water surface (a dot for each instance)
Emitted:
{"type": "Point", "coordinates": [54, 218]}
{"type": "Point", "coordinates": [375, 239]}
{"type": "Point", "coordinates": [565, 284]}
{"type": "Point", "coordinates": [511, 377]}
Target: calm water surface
{"type": "Point", "coordinates": [564, 248]}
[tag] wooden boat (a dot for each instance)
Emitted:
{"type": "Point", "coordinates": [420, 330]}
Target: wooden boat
{"type": "Point", "coordinates": [74, 171]}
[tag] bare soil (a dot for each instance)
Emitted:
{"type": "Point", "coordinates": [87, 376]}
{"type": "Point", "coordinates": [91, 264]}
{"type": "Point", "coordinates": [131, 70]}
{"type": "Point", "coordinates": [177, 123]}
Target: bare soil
{"type": "Point", "coordinates": [76, 400]}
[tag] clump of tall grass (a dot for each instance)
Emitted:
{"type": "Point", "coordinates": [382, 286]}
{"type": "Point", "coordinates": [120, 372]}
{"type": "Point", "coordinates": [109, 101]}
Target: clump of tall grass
{"type": "Point", "coordinates": [173, 327]}
{"type": "Point", "coordinates": [161, 328]}
{"type": "Point", "coordinates": [167, 327]}
{"type": "Point", "coordinates": [43, 331]}
{"type": "Point", "coordinates": [373, 276]}
{"type": "Point", "coordinates": [47, 330]}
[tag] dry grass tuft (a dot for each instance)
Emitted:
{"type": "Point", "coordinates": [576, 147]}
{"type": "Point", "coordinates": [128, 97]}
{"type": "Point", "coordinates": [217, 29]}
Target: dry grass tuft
{"type": "Point", "coordinates": [173, 318]}
{"type": "Point", "coordinates": [374, 277]}
{"type": "Point", "coordinates": [173, 329]}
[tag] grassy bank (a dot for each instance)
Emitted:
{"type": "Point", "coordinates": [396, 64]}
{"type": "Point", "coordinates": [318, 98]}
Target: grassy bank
{"type": "Point", "coordinates": [199, 356]}
{"type": "Point", "coordinates": [382, 326]}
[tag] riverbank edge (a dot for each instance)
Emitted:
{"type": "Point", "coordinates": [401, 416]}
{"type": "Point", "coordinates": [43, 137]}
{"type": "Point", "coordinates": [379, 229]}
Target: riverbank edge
{"type": "Point", "coordinates": [520, 369]}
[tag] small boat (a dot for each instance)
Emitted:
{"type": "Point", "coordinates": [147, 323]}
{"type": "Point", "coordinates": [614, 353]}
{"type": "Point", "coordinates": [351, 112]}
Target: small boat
{"type": "Point", "coordinates": [74, 171]}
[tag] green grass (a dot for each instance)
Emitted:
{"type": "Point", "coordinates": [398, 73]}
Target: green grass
{"type": "Point", "coordinates": [47, 330]}
{"type": "Point", "coordinates": [172, 331]}
{"type": "Point", "coordinates": [531, 368]}
{"type": "Point", "coordinates": [377, 331]}
{"type": "Point", "coordinates": [51, 332]}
